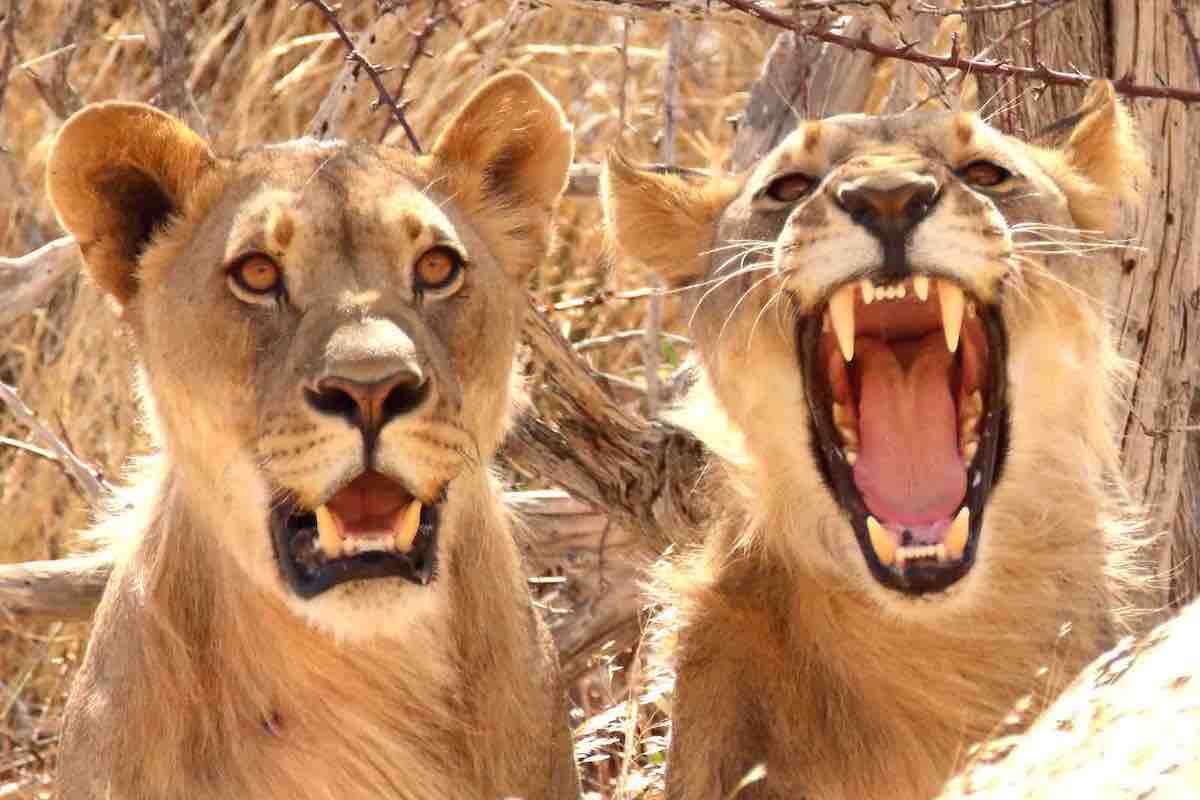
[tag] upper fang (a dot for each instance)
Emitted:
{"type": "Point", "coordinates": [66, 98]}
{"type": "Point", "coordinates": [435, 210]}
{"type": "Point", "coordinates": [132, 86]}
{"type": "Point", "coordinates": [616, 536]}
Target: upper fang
{"type": "Point", "coordinates": [953, 302]}
{"type": "Point", "coordinates": [841, 312]}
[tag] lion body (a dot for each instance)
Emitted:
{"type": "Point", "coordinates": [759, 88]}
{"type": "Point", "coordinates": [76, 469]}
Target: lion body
{"type": "Point", "coordinates": [788, 652]}
{"type": "Point", "coordinates": [209, 674]}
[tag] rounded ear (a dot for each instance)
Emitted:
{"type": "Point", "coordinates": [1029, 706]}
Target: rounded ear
{"type": "Point", "coordinates": [1103, 149]}
{"type": "Point", "coordinates": [665, 219]}
{"type": "Point", "coordinates": [507, 152]}
{"type": "Point", "coordinates": [116, 174]}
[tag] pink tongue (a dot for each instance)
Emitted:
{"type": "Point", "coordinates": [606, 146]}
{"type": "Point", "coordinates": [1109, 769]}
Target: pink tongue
{"type": "Point", "coordinates": [909, 470]}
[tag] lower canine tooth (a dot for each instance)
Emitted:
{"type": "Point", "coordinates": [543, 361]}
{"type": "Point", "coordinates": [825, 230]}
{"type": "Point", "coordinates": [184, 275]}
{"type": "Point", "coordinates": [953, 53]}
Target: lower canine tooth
{"type": "Point", "coordinates": [329, 532]}
{"type": "Point", "coordinates": [969, 450]}
{"type": "Point", "coordinates": [868, 290]}
{"type": "Point", "coordinates": [956, 538]}
{"type": "Point", "coordinates": [881, 542]}
{"type": "Point", "coordinates": [406, 529]}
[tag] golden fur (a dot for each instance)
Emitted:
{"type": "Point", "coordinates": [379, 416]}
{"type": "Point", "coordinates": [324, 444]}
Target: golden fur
{"type": "Point", "coordinates": [206, 677]}
{"type": "Point", "coordinates": [788, 652]}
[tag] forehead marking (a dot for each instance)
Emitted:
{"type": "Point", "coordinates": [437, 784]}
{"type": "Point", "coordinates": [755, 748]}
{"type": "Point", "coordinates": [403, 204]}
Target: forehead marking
{"type": "Point", "coordinates": [280, 227]}
{"type": "Point", "coordinates": [812, 138]}
{"type": "Point", "coordinates": [413, 226]}
{"type": "Point", "coordinates": [964, 126]}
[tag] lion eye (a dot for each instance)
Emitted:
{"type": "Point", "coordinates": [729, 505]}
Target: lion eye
{"type": "Point", "coordinates": [257, 275]}
{"type": "Point", "coordinates": [789, 188]}
{"type": "Point", "coordinates": [437, 268]}
{"type": "Point", "coordinates": [985, 173]}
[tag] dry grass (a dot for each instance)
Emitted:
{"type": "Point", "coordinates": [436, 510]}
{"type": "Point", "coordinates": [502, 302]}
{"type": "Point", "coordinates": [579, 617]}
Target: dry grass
{"type": "Point", "coordinates": [261, 70]}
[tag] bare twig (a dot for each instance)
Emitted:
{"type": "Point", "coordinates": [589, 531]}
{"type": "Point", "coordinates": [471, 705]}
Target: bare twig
{"type": "Point", "coordinates": [1190, 33]}
{"type": "Point", "coordinates": [442, 11]}
{"type": "Point", "coordinates": [625, 336]}
{"type": "Point", "coordinates": [56, 90]}
{"type": "Point", "coordinates": [983, 8]}
{"type": "Point", "coordinates": [87, 477]}
{"type": "Point", "coordinates": [167, 26]}
{"type": "Point", "coordinates": [512, 19]}
{"type": "Point", "coordinates": [908, 52]}
{"type": "Point", "coordinates": [8, 44]}
{"type": "Point", "coordinates": [374, 71]}
{"type": "Point", "coordinates": [666, 153]}
{"type": "Point", "coordinates": [598, 299]}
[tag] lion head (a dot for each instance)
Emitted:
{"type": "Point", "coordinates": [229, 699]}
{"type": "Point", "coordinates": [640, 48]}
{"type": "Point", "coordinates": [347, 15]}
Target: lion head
{"type": "Point", "coordinates": [900, 324]}
{"type": "Point", "coordinates": [325, 331]}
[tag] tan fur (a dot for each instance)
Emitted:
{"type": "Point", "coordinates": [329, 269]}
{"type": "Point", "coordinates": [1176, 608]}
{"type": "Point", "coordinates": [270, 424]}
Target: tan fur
{"type": "Point", "coordinates": [206, 676]}
{"type": "Point", "coordinates": [788, 652]}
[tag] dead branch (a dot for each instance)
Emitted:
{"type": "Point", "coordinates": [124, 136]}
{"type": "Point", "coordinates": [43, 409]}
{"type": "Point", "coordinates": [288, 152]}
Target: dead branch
{"type": "Point", "coordinates": [907, 52]}
{"type": "Point", "coordinates": [359, 62]}
{"type": "Point", "coordinates": [8, 44]}
{"type": "Point", "coordinates": [67, 589]}
{"type": "Point", "coordinates": [87, 477]}
{"type": "Point", "coordinates": [56, 90]}
{"type": "Point", "coordinates": [28, 281]}
{"type": "Point", "coordinates": [1189, 33]}
{"type": "Point", "coordinates": [167, 26]}
{"type": "Point", "coordinates": [983, 8]}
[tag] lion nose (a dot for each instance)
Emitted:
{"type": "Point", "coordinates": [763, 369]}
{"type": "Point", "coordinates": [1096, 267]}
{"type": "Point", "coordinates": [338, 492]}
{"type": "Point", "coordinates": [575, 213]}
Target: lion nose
{"type": "Point", "coordinates": [370, 406]}
{"type": "Point", "coordinates": [888, 205]}
{"type": "Point", "coordinates": [372, 375]}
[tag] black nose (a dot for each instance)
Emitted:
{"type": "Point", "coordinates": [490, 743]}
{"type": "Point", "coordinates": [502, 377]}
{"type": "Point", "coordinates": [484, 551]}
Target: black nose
{"type": "Point", "coordinates": [891, 211]}
{"type": "Point", "coordinates": [370, 405]}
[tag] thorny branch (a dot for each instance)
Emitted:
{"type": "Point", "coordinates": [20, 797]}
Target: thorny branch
{"type": "Point", "coordinates": [374, 71]}
{"type": "Point", "coordinates": [441, 12]}
{"type": "Point", "coordinates": [820, 31]}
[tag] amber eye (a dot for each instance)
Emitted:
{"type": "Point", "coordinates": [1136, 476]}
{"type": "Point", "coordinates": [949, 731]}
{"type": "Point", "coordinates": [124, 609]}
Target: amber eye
{"type": "Point", "coordinates": [437, 268]}
{"type": "Point", "coordinates": [257, 274]}
{"type": "Point", "coordinates": [789, 188]}
{"type": "Point", "coordinates": [985, 173]}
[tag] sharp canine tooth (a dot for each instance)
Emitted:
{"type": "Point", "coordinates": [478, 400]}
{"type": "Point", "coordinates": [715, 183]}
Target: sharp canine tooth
{"type": "Point", "coordinates": [969, 450]}
{"type": "Point", "coordinates": [953, 301]}
{"type": "Point", "coordinates": [868, 290]}
{"type": "Point", "coordinates": [921, 287]}
{"type": "Point", "coordinates": [406, 529]}
{"type": "Point", "coordinates": [841, 310]}
{"type": "Point", "coordinates": [956, 538]}
{"type": "Point", "coordinates": [881, 542]}
{"type": "Point", "coordinates": [851, 457]}
{"type": "Point", "coordinates": [329, 532]}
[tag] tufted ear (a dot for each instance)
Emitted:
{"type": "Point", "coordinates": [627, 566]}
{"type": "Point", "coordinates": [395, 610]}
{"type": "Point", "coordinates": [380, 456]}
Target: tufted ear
{"type": "Point", "coordinates": [117, 173]}
{"type": "Point", "coordinates": [1103, 150]}
{"type": "Point", "coordinates": [664, 219]}
{"type": "Point", "coordinates": [507, 152]}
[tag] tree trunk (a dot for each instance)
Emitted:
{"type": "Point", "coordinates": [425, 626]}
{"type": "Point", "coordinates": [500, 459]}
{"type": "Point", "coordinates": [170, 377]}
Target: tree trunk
{"type": "Point", "coordinates": [1156, 284]}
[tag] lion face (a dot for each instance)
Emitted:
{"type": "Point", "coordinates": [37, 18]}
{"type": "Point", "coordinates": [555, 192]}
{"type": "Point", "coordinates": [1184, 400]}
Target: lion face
{"type": "Point", "coordinates": [887, 312]}
{"type": "Point", "coordinates": [327, 334]}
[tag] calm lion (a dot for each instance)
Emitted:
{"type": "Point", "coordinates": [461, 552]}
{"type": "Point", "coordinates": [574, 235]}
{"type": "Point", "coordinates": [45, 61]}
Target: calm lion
{"type": "Point", "coordinates": [317, 591]}
{"type": "Point", "coordinates": [906, 382]}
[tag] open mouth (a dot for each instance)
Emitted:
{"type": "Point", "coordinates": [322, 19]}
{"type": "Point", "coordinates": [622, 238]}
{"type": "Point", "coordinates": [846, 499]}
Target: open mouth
{"type": "Point", "coordinates": [906, 388]}
{"type": "Point", "coordinates": [372, 528]}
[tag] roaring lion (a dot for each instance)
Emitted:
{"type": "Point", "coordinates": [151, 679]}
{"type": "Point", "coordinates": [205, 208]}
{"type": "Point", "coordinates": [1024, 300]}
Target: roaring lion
{"type": "Point", "coordinates": [318, 592]}
{"type": "Point", "coordinates": [906, 381]}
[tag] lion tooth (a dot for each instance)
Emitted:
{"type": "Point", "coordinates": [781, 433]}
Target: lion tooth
{"type": "Point", "coordinates": [841, 311]}
{"type": "Point", "coordinates": [868, 290]}
{"type": "Point", "coordinates": [329, 532]}
{"type": "Point", "coordinates": [921, 287]}
{"type": "Point", "coordinates": [956, 537]}
{"type": "Point", "coordinates": [406, 529]}
{"type": "Point", "coordinates": [851, 457]}
{"type": "Point", "coordinates": [969, 450]}
{"type": "Point", "coordinates": [942, 555]}
{"type": "Point", "coordinates": [881, 542]}
{"type": "Point", "coordinates": [898, 292]}
{"type": "Point", "coordinates": [953, 301]}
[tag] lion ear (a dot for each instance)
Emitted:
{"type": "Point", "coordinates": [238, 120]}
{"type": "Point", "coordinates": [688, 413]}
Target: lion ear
{"type": "Point", "coordinates": [1103, 149]}
{"type": "Point", "coordinates": [117, 173]}
{"type": "Point", "coordinates": [508, 151]}
{"type": "Point", "coordinates": [665, 220]}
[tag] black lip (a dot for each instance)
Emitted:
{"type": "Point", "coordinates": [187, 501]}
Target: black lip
{"type": "Point", "coordinates": [288, 522]}
{"type": "Point", "coordinates": [920, 577]}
